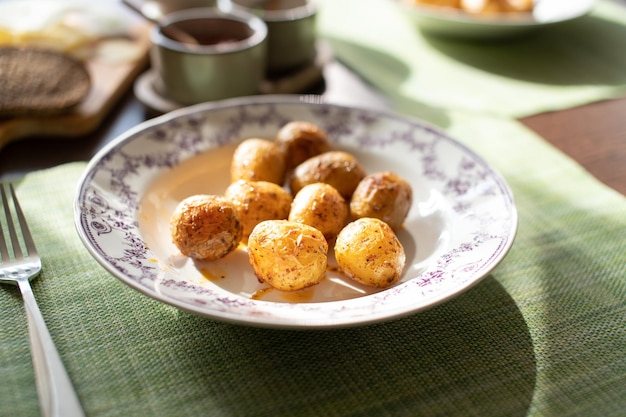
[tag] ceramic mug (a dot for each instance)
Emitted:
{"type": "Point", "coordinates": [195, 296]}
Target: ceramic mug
{"type": "Point", "coordinates": [227, 58]}
{"type": "Point", "coordinates": [292, 32]}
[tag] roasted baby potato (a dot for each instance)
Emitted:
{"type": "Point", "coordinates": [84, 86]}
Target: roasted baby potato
{"type": "Point", "coordinates": [337, 168]}
{"type": "Point", "coordinates": [368, 251]}
{"type": "Point", "coordinates": [383, 195]}
{"type": "Point", "coordinates": [258, 160]}
{"type": "Point", "coordinates": [205, 227]}
{"type": "Point", "coordinates": [321, 206]}
{"type": "Point", "coordinates": [301, 141]}
{"type": "Point", "coordinates": [256, 201]}
{"type": "Point", "coordinates": [286, 255]}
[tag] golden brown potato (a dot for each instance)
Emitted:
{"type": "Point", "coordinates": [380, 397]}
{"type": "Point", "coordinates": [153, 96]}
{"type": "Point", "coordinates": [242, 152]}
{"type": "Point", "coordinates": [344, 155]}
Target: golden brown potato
{"type": "Point", "coordinates": [337, 168]}
{"type": "Point", "coordinates": [321, 206]}
{"type": "Point", "coordinates": [205, 227]}
{"type": "Point", "coordinates": [258, 160]}
{"type": "Point", "coordinates": [288, 256]}
{"type": "Point", "coordinates": [368, 251]}
{"type": "Point", "coordinates": [383, 195]}
{"type": "Point", "coordinates": [301, 141]}
{"type": "Point", "coordinates": [256, 201]}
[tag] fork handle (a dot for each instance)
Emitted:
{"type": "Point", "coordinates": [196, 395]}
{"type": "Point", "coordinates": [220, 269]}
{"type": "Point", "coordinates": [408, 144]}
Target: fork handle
{"type": "Point", "coordinates": [56, 392]}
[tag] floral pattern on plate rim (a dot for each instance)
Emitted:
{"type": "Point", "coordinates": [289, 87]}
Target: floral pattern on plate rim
{"type": "Point", "coordinates": [111, 188]}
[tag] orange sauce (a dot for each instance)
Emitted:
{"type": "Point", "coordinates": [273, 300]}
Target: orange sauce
{"type": "Point", "coordinates": [300, 296]}
{"type": "Point", "coordinates": [212, 274]}
{"type": "Point", "coordinates": [261, 292]}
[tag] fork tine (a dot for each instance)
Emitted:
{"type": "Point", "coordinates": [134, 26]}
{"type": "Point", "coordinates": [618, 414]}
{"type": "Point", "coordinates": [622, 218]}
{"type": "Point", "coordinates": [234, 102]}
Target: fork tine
{"type": "Point", "coordinates": [17, 250]}
{"type": "Point", "coordinates": [4, 251]}
{"type": "Point", "coordinates": [56, 393]}
{"type": "Point", "coordinates": [28, 239]}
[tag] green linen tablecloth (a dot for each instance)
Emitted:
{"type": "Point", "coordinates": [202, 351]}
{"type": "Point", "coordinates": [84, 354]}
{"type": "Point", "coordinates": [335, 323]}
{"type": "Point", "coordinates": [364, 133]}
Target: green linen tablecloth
{"type": "Point", "coordinates": [543, 335]}
{"type": "Point", "coordinates": [559, 67]}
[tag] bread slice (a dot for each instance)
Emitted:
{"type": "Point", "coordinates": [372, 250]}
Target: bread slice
{"type": "Point", "coordinates": [40, 82]}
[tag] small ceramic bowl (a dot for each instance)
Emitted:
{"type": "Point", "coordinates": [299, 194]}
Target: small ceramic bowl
{"type": "Point", "coordinates": [227, 57]}
{"type": "Point", "coordinates": [291, 28]}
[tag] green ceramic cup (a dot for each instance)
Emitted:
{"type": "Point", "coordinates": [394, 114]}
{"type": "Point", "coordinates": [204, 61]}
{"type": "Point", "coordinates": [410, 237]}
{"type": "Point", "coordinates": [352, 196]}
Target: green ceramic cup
{"type": "Point", "coordinates": [227, 60]}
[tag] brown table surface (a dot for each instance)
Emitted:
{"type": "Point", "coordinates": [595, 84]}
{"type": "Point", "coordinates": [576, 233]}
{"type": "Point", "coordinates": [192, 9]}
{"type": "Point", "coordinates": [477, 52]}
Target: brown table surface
{"type": "Point", "coordinates": [594, 134]}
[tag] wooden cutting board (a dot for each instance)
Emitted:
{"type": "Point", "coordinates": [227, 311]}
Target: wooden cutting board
{"type": "Point", "coordinates": [111, 78]}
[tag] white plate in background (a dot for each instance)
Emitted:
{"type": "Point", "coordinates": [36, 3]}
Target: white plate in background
{"type": "Point", "coordinates": [458, 24]}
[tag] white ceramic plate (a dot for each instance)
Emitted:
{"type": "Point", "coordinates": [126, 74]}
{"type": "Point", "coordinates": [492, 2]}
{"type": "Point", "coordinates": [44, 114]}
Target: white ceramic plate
{"type": "Point", "coordinates": [451, 22]}
{"type": "Point", "coordinates": [462, 222]}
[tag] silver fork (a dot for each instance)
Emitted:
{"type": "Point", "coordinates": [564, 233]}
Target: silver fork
{"type": "Point", "coordinates": [56, 393]}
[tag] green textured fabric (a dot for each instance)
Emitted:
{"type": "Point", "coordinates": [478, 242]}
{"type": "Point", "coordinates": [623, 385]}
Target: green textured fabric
{"type": "Point", "coordinates": [543, 335]}
{"type": "Point", "coordinates": [559, 67]}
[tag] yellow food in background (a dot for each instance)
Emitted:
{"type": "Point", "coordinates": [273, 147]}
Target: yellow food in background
{"type": "Point", "coordinates": [519, 5]}
{"type": "Point", "coordinates": [441, 3]}
{"type": "Point", "coordinates": [6, 37]}
{"type": "Point", "coordinates": [58, 37]}
{"type": "Point", "coordinates": [482, 7]}
{"type": "Point", "coordinates": [74, 28]}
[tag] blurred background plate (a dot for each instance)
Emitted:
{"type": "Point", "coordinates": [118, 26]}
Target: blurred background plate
{"type": "Point", "coordinates": [455, 23]}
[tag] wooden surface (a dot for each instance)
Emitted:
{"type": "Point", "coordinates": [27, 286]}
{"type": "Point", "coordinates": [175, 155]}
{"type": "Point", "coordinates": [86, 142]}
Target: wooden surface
{"type": "Point", "coordinates": [110, 80]}
{"type": "Point", "coordinates": [594, 135]}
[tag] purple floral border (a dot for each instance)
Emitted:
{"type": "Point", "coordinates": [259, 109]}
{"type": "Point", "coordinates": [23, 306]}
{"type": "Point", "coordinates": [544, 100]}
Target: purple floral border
{"type": "Point", "coordinates": [113, 184]}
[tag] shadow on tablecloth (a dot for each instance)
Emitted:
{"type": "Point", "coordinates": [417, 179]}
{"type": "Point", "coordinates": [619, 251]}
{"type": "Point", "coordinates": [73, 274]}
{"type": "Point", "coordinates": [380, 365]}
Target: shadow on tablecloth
{"type": "Point", "coordinates": [561, 55]}
{"type": "Point", "coordinates": [470, 356]}
{"type": "Point", "coordinates": [388, 74]}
